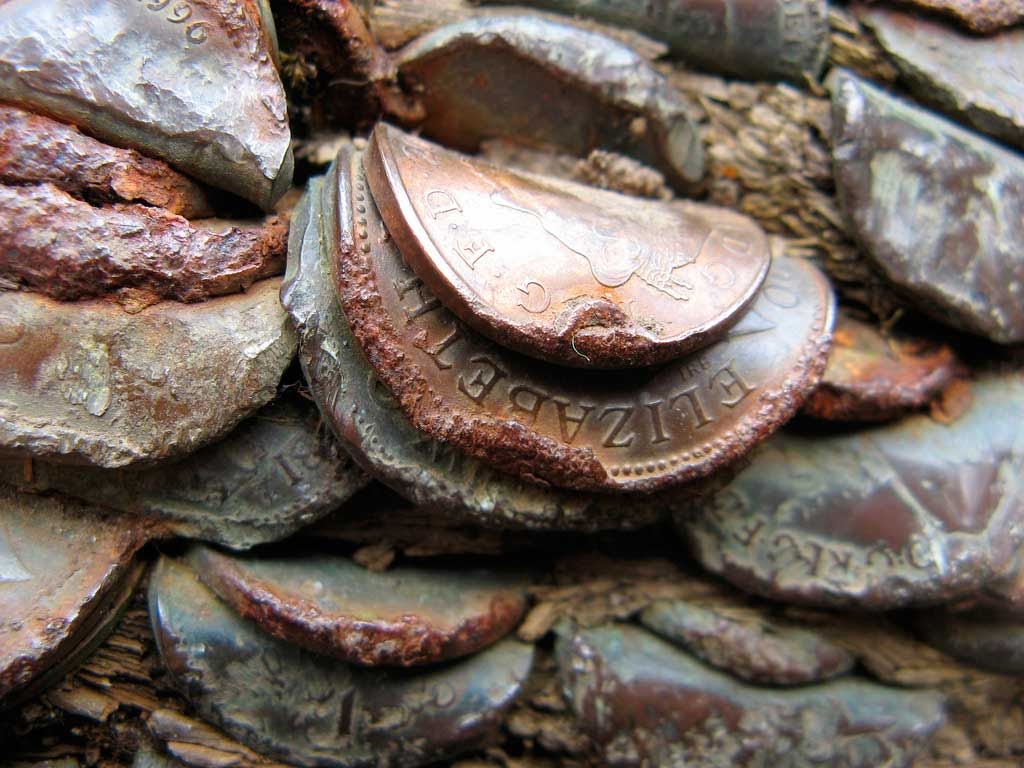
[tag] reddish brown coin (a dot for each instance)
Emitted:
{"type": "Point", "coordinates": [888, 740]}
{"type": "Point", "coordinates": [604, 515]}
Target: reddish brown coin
{"type": "Point", "coordinates": [560, 271]}
{"type": "Point", "coordinates": [637, 430]}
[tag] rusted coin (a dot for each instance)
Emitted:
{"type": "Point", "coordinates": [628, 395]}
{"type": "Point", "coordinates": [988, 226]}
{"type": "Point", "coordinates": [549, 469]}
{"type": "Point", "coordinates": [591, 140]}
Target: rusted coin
{"type": "Point", "coordinates": [308, 709]}
{"type": "Point", "coordinates": [433, 475]}
{"type": "Point", "coordinates": [747, 642]}
{"type": "Point", "coordinates": [404, 616]}
{"type": "Point", "coordinates": [936, 207]}
{"type": "Point", "coordinates": [560, 271]}
{"type": "Point", "coordinates": [543, 83]}
{"type": "Point", "coordinates": [61, 571]}
{"type": "Point", "coordinates": [625, 430]}
{"type": "Point", "coordinates": [643, 703]}
{"type": "Point", "coordinates": [870, 377]}
{"type": "Point", "coordinates": [275, 473]}
{"type": "Point", "coordinates": [192, 82]}
{"type": "Point", "coordinates": [71, 249]}
{"type": "Point", "coordinates": [912, 513]}
{"type": "Point", "coordinates": [89, 383]}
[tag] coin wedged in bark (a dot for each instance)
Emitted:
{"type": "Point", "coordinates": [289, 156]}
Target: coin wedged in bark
{"type": "Point", "coordinates": [984, 638]}
{"type": "Point", "coordinates": [547, 84]}
{"type": "Point", "coordinates": [871, 377]}
{"type": "Point", "coordinates": [275, 473]}
{"type": "Point", "coordinates": [644, 702]}
{"type": "Point", "coordinates": [430, 473]}
{"type": "Point", "coordinates": [746, 642]}
{"type": "Point", "coordinates": [61, 565]}
{"type": "Point", "coordinates": [312, 710]}
{"type": "Point", "coordinates": [753, 39]}
{"type": "Point", "coordinates": [190, 82]}
{"type": "Point", "coordinates": [939, 209]}
{"type": "Point", "coordinates": [35, 149]}
{"type": "Point", "coordinates": [912, 513]}
{"type": "Point", "coordinates": [404, 616]}
{"type": "Point", "coordinates": [69, 249]}
{"type": "Point", "coordinates": [560, 271]}
{"type": "Point", "coordinates": [977, 80]}
{"type": "Point", "coordinates": [89, 383]}
{"type": "Point", "coordinates": [637, 430]}
{"type": "Point", "coordinates": [982, 16]}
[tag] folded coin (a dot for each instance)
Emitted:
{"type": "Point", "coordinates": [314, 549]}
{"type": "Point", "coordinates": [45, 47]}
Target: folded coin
{"type": "Point", "coordinates": [404, 616]}
{"type": "Point", "coordinates": [561, 271]}
{"type": "Point", "coordinates": [543, 83]}
{"type": "Point", "coordinates": [189, 82]}
{"type": "Point", "coordinates": [308, 709]}
{"type": "Point", "coordinates": [638, 430]}
{"type": "Point", "coordinates": [65, 570]}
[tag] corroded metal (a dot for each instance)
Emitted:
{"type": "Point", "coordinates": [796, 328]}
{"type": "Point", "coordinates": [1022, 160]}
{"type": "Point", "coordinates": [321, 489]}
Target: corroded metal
{"type": "Point", "coordinates": [982, 16]}
{"type": "Point", "coordinates": [644, 702]}
{"type": "Point", "coordinates": [404, 616]}
{"type": "Point", "coordinates": [561, 271]}
{"type": "Point", "coordinates": [275, 473]}
{"type": "Point", "coordinates": [543, 83]}
{"type": "Point", "coordinates": [432, 474]}
{"type": "Point", "coordinates": [754, 39]}
{"type": "Point", "coordinates": [916, 512]}
{"type": "Point", "coordinates": [871, 377]}
{"type": "Point", "coordinates": [62, 567]}
{"type": "Point", "coordinates": [191, 82]}
{"type": "Point", "coordinates": [35, 149]}
{"type": "Point", "coordinates": [311, 710]}
{"type": "Point", "coordinates": [69, 249]}
{"type": "Point", "coordinates": [936, 207]}
{"type": "Point", "coordinates": [746, 642]}
{"type": "Point", "coordinates": [89, 383]}
{"type": "Point", "coordinates": [640, 430]}
{"type": "Point", "coordinates": [983, 638]}
{"type": "Point", "coordinates": [977, 80]}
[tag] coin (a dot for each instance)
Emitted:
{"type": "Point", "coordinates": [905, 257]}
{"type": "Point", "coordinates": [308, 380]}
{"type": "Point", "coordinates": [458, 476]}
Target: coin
{"type": "Point", "coordinates": [308, 709]}
{"type": "Point", "coordinates": [637, 430]}
{"type": "Point", "coordinates": [404, 616]}
{"type": "Point", "coordinates": [644, 702]}
{"type": "Point", "coordinates": [911, 513]}
{"type": "Point", "coordinates": [870, 377]}
{"type": "Point", "coordinates": [560, 271]}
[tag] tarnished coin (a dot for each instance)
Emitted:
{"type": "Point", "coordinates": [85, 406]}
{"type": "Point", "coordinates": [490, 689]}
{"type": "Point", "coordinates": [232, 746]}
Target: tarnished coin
{"type": "Point", "coordinates": [645, 703]}
{"type": "Point", "coordinates": [89, 383]}
{"type": "Point", "coordinates": [433, 475]}
{"type": "Point", "coordinates": [560, 271]}
{"type": "Point", "coordinates": [308, 709]}
{"type": "Point", "coordinates": [278, 471]}
{"type": "Point", "coordinates": [404, 616]}
{"type": "Point", "coordinates": [643, 429]}
{"type": "Point", "coordinates": [191, 82]}
{"type": "Point", "coordinates": [543, 83]}
{"type": "Point", "coordinates": [873, 378]}
{"type": "Point", "coordinates": [61, 564]}
{"type": "Point", "coordinates": [912, 513]}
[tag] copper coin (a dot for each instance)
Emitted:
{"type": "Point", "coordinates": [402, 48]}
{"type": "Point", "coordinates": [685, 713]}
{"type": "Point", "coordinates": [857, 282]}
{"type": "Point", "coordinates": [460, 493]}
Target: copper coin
{"type": "Point", "coordinates": [560, 271]}
{"type": "Point", "coordinates": [632, 430]}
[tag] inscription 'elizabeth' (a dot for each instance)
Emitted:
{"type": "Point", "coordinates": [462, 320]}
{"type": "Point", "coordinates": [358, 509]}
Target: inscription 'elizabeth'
{"type": "Point", "coordinates": [559, 271]}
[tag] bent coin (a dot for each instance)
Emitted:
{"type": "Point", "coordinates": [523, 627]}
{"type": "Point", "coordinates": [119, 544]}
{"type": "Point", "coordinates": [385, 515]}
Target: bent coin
{"type": "Point", "coordinates": [277, 472]}
{"type": "Point", "coordinates": [638, 430]}
{"type": "Point", "coordinates": [868, 518]}
{"type": "Point", "coordinates": [312, 710]}
{"type": "Point", "coordinates": [192, 83]}
{"type": "Point", "coordinates": [543, 83]}
{"type": "Point", "coordinates": [873, 378]}
{"type": "Point", "coordinates": [561, 271]}
{"type": "Point", "coordinates": [89, 383]}
{"type": "Point", "coordinates": [62, 568]}
{"type": "Point", "coordinates": [404, 616]}
{"type": "Point", "coordinates": [432, 474]}
{"type": "Point", "coordinates": [644, 702]}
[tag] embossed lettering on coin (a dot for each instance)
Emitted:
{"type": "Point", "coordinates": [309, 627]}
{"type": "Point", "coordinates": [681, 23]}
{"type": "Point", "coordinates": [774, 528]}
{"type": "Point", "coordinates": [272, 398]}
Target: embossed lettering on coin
{"type": "Point", "coordinates": [561, 271]}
